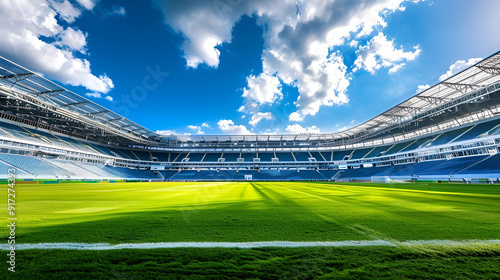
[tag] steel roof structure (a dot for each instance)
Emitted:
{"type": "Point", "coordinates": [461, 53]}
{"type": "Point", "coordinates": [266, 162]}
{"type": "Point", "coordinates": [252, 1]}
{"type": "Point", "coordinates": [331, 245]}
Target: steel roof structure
{"type": "Point", "coordinates": [29, 86]}
{"type": "Point", "coordinates": [470, 85]}
{"type": "Point", "coordinates": [466, 85]}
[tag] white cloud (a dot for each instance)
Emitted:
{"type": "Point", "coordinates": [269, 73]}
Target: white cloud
{"type": "Point", "coordinates": [66, 10]}
{"type": "Point", "coordinates": [396, 68]}
{"type": "Point", "coordinates": [87, 4]}
{"type": "Point", "coordinates": [73, 39]}
{"type": "Point", "coordinates": [197, 128]}
{"type": "Point", "coordinates": [421, 88]}
{"type": "Point", "coordinates": [380, 52]}
{"type": "Point", "coordinates": [168, 132]}
{"type": "Point", "coordinates": [205, 125]}
{"type": "Point", "coordinates": [228, 127]}
{"type": "Point", "coordinates": [295, 117]}
{"type": "Point", "coordinates": [165, 132]}
{"type": "Point", "coordinates": [298, 129]}
{"type": "Point", "coordinates": [269, 132]}
{"type": "Point", "coordinates": [93, 94]}
{"type": "Point", "coordinates": [204, 25]}
{"type": "Point", "coordinates": [117, 11]}
{"type": "Point", "coordinates": [299, 37]}
{"type": "Point", "coordinates": [109, 98]}
{"type": "Point", "coordinates": [26, 25]}
{"type": "Point", "coordinates": [459, 66]}
{"type": "Point", "coordinates": [260, 90]}
{"type": "Point", "coordinates": [260, 116]}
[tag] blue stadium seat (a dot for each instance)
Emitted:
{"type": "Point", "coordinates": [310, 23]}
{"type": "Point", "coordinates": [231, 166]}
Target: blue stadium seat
{"type": "Point", "coordinates": [212, 157]}
{"type": "Point", "coordinates": [491, 165]}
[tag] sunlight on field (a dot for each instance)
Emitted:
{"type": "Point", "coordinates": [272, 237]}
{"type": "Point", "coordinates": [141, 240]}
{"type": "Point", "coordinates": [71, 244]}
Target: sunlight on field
{"type": "Point", "coordinates": [256, 211]}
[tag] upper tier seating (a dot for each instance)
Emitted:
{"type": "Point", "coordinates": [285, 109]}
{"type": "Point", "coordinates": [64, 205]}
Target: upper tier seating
{"type": "Point", "coordinates": [230, 156]}
{"type": "Point", "coordinates": [490, 165]}
{"type": "Point", "coordinates": [360, 153]}
{"type": "Point", "coordinates": [212, 157]}
{"type": "Point", "coordinates": [266, 156]}
{"type": "Point", "coordinates": [285, 156]}
{"type": "Point", "coordinates": [340, 155]}
{"type": "Point", "coordinates": [377, 151]}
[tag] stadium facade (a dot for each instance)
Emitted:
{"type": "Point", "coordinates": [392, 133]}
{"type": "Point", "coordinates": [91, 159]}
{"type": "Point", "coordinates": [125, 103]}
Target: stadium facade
{"type": "Point", "coordinates": [449, 132]}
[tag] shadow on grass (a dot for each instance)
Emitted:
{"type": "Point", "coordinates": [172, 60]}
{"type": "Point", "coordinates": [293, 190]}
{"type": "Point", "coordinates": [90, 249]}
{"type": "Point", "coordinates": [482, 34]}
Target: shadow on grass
{"type": "Point", "coordinates": [224, 223]}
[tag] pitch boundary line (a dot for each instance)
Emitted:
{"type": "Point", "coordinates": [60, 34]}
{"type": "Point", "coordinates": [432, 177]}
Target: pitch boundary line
{"type": "Point", "coordinates": [250, 245]}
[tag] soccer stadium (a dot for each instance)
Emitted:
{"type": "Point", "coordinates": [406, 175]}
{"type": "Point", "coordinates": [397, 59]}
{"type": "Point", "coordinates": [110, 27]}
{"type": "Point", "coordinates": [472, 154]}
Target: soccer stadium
{"type": "Point", "coordinates": [447, 133]}
{"type": "Point", "coordinates": [410, 193]}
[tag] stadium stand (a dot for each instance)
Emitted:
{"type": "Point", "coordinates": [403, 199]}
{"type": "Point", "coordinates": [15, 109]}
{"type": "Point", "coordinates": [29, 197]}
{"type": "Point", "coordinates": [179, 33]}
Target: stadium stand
{"type": "Point", "coordinates": [490, 165]}
{"type": "Point", "coordinates": [442, 133]}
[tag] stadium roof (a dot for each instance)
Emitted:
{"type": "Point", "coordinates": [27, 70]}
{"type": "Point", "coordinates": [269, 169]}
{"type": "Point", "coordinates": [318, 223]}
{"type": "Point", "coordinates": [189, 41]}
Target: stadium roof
{"type": "Point", "coordinates": [460, 88]}
{"type": "Point", "coordinates": [20, 79]}
{"type": "Point", "coordinates": [479, 76]}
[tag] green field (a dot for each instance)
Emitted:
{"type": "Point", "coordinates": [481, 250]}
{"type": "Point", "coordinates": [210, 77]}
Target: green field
{"type": "Point", "coordinates": [256, 211]}
{"type": "Point", "coordinates": [165, 212]}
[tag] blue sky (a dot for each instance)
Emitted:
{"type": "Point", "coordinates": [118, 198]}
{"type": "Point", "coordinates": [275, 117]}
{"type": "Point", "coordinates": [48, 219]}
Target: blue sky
{"type": "Point", "coordinates": [239, 67]}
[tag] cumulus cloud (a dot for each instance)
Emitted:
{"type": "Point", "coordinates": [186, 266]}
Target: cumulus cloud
{"type": "Point", "coordinates": [421, 88]}
{"type": "Point", "coordinates": [168, 132]}
{"type": "Point", "coordinates": [459, 66]}
{"type": "Point", "coordinates": [380, 52]}
{"type": "Point", "coordinates": [109, 98]}
{"type": "Point", "coordinates": [260, 90]}
{"type": "Point", "coordinates": [32, 36]}
{"type": "Point", "coordinates": [228, 127]}
{"type": "Point", "coordinates": [87, 4]}
{"type": "Point", "coordinates": [260, 116]}
{"type": "Point", "coordinates": [165, 132]}
{"type": "Point", "coordinates": [66, 10]}
{"type": "Point", "coordinates": [72, 39]}
{"type": "Point", "coordinates": [295, 117]}
{"type": "Point", "coordinates": [93, 94]}
{"type": "Point", "coordinates": [204, 24]}
{"type": "Point", "coordinates": [298, 129]}
{"type": "Point", "coordinates": [299, 41]}
{"type": "Point", "coordinates": [197, 128]}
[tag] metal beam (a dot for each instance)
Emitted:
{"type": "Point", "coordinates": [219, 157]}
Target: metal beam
{"type": "Point", "coordinates": [113, 120]}
{"type": "Point", "coordinates": [393, 117]}
{"type": "Point", "coordinates": [98, 113]}
{"type": "Point", "coordinates": [411, 110]}
{"type": "Point", "coordinates": [432, 99]}
{"type": "Point", "coordinates": [76, 104]}
{"type": "Point", "coordinates": [17, 77]}
{"type": "Point", "coordinates": [461, 87]}
{"type": "Point", "coordinates": [490, 70]}
{"type": "Point", "coordinates": [50, 92]}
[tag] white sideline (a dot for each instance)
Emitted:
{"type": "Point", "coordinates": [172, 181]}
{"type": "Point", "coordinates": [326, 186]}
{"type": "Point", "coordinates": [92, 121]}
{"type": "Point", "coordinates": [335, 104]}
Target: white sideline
{"type": "Point", "coordinates": [247, 245]}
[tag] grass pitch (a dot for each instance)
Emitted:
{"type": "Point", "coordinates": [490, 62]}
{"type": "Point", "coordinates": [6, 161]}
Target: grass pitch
{"type": "Point", "coordinates": [256, 211]}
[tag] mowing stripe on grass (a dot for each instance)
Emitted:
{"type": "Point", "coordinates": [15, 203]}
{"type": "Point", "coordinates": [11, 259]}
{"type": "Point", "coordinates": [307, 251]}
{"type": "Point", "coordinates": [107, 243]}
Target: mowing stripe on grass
{"type": "Point", "coordinates": [250, 245]}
